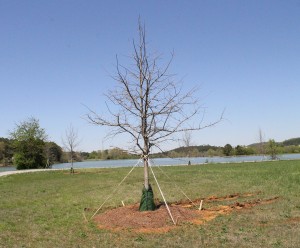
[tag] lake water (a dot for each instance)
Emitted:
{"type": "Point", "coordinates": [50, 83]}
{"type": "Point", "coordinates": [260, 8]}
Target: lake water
{"type": "Point", "coordinates": [165, 161]}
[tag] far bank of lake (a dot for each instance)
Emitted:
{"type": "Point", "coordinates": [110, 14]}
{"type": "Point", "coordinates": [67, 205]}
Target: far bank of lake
{"type": "Point", "coordinates": [166, 161]}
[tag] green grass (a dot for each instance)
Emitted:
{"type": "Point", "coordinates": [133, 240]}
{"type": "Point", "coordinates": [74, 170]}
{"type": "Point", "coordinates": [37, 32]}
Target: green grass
{"type": "Point", "coordinates": [46, 209]}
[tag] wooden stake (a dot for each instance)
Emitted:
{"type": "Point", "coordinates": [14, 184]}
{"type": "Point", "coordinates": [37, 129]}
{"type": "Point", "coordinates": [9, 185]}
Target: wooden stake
{"type": "Point", "coordinates": [177, 220]}
{"type": "Point", "coordinates": [85, 217]}
{"type": "Point", "coordinates": [200, 207]}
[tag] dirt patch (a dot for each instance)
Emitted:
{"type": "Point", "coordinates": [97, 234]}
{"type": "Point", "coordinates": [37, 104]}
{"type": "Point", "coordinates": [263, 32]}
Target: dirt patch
{"type": "Point", "coordinates": [213, 198]}
{"type": "Point", "coordinates": [159, 221]}
{"type": "Point", "coordinates": [231, 196]}
{"type": "Point", "coordinates": [129, 217]}
{"type": "Point", "coordinates": [294, 220]}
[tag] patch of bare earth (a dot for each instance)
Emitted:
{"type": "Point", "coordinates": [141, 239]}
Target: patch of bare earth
{"type": "Point", "coordinates": [159, 221]}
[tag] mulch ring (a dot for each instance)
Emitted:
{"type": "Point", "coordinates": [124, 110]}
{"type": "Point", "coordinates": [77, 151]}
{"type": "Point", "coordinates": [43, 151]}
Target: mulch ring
{"type": "Point", "coordinates": [159, 221]}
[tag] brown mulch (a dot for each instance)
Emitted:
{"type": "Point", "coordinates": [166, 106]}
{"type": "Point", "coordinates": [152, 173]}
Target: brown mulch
{"type": "Point", "coordinates": [129, 217]}
{"type": "Point", "coordinates": [159, 221]}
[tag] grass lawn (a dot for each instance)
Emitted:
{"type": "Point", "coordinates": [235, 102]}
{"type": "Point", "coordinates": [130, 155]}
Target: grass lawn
{"type": "Point", "coordinates": [45, 209]}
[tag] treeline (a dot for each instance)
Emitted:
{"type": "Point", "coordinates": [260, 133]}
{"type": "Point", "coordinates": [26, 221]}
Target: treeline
{"type": "Point", "coordinates": [114, 153]}
{"type": "Point", "coordinates": [207, 151]}
{"type": "Point", "coordinates": [191, 151]}
{"type": "Point", "coordinates": [291, 142]}
{"type": "Point", "coordinates": [50, 152]}
{"type": "Point", "coordinates": [53, 153]}
{"type": "Point", "coordinates": [286, 146]}
{"type": "Point", "coordinates": [266, 148]}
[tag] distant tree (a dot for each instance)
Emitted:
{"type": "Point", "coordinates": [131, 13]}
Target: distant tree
{"type": "Point", "coordinates": [71, 142]}
{"type": "Point", "coordinates": [243, 150]}
{"type": "Point", "coordinates": [53, 153]}
{"type": "Point", "coordinates": [94, 155]}
{"type": "Point", "coordinates": [6, 151]}
{"type": "Point", "coordinates": [292, 149]}
{"type": "Point", "coordinates": [29, 143]}
{"type": "Point", "coordinates": [211, 152]}
{"type": "Point", "coordinates": [239, 150]}
{"type": "Point", "coordinates": [84, 155]}
{"type": "Point", "coordinates": [227, 150]}
{"type": "Point", "coordinates": [2, 151]}
{"type": "Point", "coordinates": [261, 142]}
{"type": "Point", "coordinates": [149, 106]}
{"type": "Point", "coordinates": [104, 154]}
{"type": "Point", "coordinates": [249, 150]}
{"type": "Point", "coordinates": [187, 138]}
{"type": "Point", "coordinates": [272, 149]}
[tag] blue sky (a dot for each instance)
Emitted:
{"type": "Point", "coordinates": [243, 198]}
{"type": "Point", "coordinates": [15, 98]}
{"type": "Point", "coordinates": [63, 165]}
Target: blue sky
{"type": "Point", "coordinates": [57, 56]}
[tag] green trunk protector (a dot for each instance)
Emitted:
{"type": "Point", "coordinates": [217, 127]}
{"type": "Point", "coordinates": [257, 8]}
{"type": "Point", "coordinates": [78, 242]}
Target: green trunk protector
{"type": "Point", "coordinates": [147, 201]}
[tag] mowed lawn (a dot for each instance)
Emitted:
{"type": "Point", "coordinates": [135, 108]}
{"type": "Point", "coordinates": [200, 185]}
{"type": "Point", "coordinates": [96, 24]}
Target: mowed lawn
{"type": "Point", "coordinates": [46, 209]}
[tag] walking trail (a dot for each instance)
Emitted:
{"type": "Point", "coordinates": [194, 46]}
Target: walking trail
{"type": "Point", "coordinates": [6, 173]}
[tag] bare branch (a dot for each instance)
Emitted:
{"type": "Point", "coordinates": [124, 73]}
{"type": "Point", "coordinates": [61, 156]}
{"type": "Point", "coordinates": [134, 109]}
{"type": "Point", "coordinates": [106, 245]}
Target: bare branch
{"type": "Point", "coordinates": [150, 105]}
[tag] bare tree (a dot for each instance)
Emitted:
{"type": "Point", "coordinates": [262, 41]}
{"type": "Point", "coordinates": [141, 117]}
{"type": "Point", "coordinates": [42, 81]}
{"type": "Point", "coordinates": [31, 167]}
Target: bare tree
{"type": "Point", "coordinates": [49, 156]}
{"type": "Point", "coordinates": [187, 138]}
{"type": "Point", "coordinates": [261, 142]}
{"type": "Point", "coordinates": [151, 106]}
{"type": "Point", "coordinates": [70, 142]}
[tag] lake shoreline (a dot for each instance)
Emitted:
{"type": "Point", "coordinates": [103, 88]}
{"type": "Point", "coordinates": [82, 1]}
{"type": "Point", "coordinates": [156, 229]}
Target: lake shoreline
{"type": "Point", "coordinates": [163, 162]}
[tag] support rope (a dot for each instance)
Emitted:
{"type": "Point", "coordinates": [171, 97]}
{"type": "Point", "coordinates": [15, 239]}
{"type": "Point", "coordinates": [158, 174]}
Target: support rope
{"type": "Point", "coordinates": [116, 188]}
{"type": "Point", "coordinates": [176, 186]}
{"type": "Point", "coordinates": [161, 193]}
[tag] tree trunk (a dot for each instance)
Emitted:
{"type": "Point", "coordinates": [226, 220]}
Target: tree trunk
{"type": "Point", "coordinates": [146, 174]}
{"type": "Point", "coordinates": [147, 200]}
{"type": "Point", "coordinates": [72, 169]}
